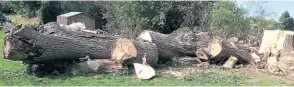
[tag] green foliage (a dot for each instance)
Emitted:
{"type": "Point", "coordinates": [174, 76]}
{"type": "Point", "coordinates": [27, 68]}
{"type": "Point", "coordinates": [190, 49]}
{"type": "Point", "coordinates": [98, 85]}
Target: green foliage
{"type": "Point", "coordinates": [133, 17]}
{"type": "Point", "coordinates": [229, 20]}
{"type": "Point", "coordinates": [286, 21]}
{"type": "Point", "coordinates": [20, 7]}
{"type": "Point", "coordinates": [130, 18]}
{"type": "Point", "coordinates": [50, 11]}
{"type": "Point", "coordinates": [258, 24]}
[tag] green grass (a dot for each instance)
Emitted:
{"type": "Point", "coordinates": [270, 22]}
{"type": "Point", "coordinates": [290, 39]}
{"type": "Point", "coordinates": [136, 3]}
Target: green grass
{"type": "Point", "coordinates": [12, 74]}
{"type": "Point", "coordinates": [18, 19]}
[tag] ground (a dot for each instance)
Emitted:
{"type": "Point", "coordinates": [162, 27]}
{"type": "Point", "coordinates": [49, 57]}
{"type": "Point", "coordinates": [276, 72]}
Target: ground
{"type": "Point", "coordinates": [12, 73]}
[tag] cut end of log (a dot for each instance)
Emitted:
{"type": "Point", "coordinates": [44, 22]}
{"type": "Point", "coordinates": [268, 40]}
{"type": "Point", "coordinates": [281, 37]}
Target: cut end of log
{"type": "Point", "coordinates": [145, 35]}
{"type": "Point", "coordinates": [6, 48]}
{"type": "Point", "coordinates": [124, 49]}
{"type": "Point", "coordinates": [12, 54]}
{"type": "Point", "coordinates": [215, 49]}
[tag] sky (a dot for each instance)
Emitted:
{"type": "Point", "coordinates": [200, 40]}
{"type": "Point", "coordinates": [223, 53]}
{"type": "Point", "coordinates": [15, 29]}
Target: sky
{"type": "Point", "coordinates": [272, 6]}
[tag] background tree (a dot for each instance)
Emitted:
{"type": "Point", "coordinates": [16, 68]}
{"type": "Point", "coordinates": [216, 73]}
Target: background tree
{"type": "Point", "coordinates": [286, 21]}
{"type": "Point", "coordinates": [229, 20]}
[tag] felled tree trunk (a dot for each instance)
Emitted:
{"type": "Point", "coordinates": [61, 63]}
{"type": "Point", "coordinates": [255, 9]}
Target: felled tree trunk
{"type": "Point", "coordinates": [222, 49]}
{"type": "Point", "coordinates": [122, 48]}
{"type": "Point", "coordinates": [180, 43]}
{"type": "Point", "coordinates": [146, 49]}
{"type": "Point", "coordinates": [47, 47]}
{"type": "Point", "coordinates": [50, 42]}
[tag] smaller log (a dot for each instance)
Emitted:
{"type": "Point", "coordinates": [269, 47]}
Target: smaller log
{"type": "Point", "coordinates": [182, 42]}
{"type": "Point", "coordinates": [101, 66]}
{"type": "Point", "coordinates": [222, 49]}
{"type": "Point", "coordinates": [230, 62]}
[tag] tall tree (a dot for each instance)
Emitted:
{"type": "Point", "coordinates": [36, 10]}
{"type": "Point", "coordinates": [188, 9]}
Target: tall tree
{"type": "Point", "coordinates": [229, 20]}
{"type": "Point", "coordinates": [286, 21]}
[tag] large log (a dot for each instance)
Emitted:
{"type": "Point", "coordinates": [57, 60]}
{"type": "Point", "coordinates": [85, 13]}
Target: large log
{"type": "Point", "coordinates": [146, 49]}
{"type": "Point", "coordinates": [50, 42]}
{"type": "Point", "coordinates": [180, 43]}
{"type": "Point", "coordinates": [47, 47]}
{"type": "Point", "coordinates": [122, 48]}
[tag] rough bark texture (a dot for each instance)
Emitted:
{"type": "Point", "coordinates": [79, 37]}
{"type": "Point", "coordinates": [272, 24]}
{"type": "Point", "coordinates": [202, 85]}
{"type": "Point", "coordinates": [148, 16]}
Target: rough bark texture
{"type": "Point", "coordinates": [222, 49]}
{"type": "Point", "coordinates": [51, 42]}
{"type": "Point", "coordinates": [148, 48]}
{"type": "Point", "coordinates": [180, 43]}
{"type": "Point", "coordinates": [48, 47]}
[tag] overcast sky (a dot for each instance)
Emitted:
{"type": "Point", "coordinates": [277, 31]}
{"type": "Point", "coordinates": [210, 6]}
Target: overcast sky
{"type": "Point", "coordinates": [270, 6]}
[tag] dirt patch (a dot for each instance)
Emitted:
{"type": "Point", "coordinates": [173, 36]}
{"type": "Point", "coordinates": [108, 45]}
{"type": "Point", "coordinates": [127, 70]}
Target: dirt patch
{"type": "Point", "coordinates": [244, 76]}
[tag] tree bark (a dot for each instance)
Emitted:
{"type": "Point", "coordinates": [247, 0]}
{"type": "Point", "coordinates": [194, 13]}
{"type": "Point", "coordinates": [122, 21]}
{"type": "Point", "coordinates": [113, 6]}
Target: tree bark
{"type": "Point", "coordinates": [221, 50]}
{"type": "Point", "coordinates": [148, 48]}
{"type": "Point", "coordinates": [48, 47]}
{"type": "Point", "coordinates": [180, 43]}
{"type": "Point", "coordinates": [50, 42]}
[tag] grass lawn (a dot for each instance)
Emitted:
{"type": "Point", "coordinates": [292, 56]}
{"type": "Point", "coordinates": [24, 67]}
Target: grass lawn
{"type": "Point", "coordinates": [12, 74]}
